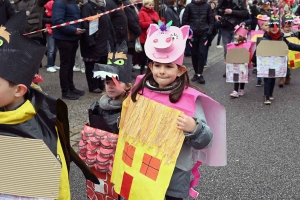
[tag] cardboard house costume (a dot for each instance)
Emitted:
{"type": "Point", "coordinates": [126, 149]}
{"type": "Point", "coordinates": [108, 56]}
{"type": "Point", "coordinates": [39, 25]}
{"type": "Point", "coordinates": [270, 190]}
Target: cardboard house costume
{"type": "Point", "coordinates": [237, 61]}
{"type": "Point", "coordinates": [271, 58]}
{"type": "Point", "coordinates": [238, 58]}
{"type": "Point", "coordinates": [150, 144]}
{"type": "Point", "coordinates": [99, 137]}
{"type": "Point", "coordinates": [37, 132]}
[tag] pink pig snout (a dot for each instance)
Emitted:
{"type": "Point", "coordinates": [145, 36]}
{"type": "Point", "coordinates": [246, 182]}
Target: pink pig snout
{"type": "Point", "coordinates": [164, 44]}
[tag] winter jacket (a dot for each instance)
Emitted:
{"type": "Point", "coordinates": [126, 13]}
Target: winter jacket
{"type": "Point", "coordinates": [199, 16]}
{"type": "Point", "coordinates": [35, 18]}
{"type": "Point", "coordinates": [107, 118]}
{"type": "Point", "coordinates": [119, 21]}
{"type": "Point", "coordinates": [48, 6]}
{"type": "Point", "coordinates": [147, 17]}
{"type": "Point", "coordinates": [45, 118]}
{"type": "Point", "coordinates": [134, 25]}
{"type": "Point", "coordinates": [238, 15]}
{"type": "Point", "coordinates": [6, 11]}
{"type": "Point", "coordinates": [65, 11]}
{"type": "Point", "coordinates": [171, 14]}
{"type": "Point", "coordinates": [297, 13]}
{"type": "Point", "coordinates": [201, 138]}
{"type": "Point", "coordinates": [95, 45]}
{"type": "Point", "coordinates": [254, 13]}
{"type": "Point", "coordinates": [291, 46]}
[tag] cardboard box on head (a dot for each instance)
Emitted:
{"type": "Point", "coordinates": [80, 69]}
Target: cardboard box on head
{"type": "Point", "coordinates": [271, 59]}
{"type": "Point", "coordinates": [237, 61]}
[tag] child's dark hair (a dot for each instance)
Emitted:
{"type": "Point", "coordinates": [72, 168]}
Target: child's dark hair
{"type": "Point", "coordinates": [11, 84]}
{"type": "Point", "coordinates": [174, 96]}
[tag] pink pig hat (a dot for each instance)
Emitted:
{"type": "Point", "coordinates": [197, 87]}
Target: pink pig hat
{"type": "Point", "coordinates": [261, 19]}
{"type": "Point", "coordinates": [166, 43]}
{"type": "Point", "coordinates": [297, 20]}
{"type": "Point", "coordinates": [239, 30]}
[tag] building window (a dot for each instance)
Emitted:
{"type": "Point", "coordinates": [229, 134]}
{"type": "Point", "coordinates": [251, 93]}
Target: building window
{"type": "Point", "coordinates": [128, 154]}
{"type": "Point", "coordinates": [150, 166]}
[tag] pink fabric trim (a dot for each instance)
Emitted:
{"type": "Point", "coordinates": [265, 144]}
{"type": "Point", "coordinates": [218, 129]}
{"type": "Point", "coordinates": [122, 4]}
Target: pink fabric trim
{"type": "Point", "coordinates": [195, 181]}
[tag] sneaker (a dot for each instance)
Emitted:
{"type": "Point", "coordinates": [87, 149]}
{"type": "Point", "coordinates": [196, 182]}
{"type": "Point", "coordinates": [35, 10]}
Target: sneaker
{"type": "Point", "coordinates": [56, 67]}
{"type": "Point", "coordinates": [254, 71]}
{"type": "Point", "coordinates": [77, 92]}
{"type": "Point", "coordinates": [234, 94]}
{"type": "Point", "coordinates": [201, 80]}
{"type": "Point", "coordinates": [96, 91]}
{"type": "Point", "coordinates": [136, 66]}
{"type": "Point", "coordinates": [70, 95]}
{"type": "Point", "coordinates": [195, 78]}
{"type": "Point", "coordinates": [258, 84]}
{"type": "Point", "coordinates": [271, 98]}
{"type": "Point", "coordinates": [146, 66]}
{"type": "Point", "coordinates": [51, 69]}
{"type": "Point", "coordinates": [224, 75]}
{"type": "Point", "coordinates": [83, 70]}
{"type": "Point", "coordinates": [241, 93]}
{"type": "Point", "coordinates": [205, 66]}
{"type": "Point", "coordinates": [219, 46]}
{"type": "Point", "coordinates": [76, 69]}
{"type": "Point", "coordinates": [267, 102]}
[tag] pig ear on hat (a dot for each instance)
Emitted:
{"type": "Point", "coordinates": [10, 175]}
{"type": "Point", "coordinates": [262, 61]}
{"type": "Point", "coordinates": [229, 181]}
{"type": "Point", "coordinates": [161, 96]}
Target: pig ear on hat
{"type": "Point", "coordinates": [152, 28]}
{"type": "Point", "coordinates": [185, 32]}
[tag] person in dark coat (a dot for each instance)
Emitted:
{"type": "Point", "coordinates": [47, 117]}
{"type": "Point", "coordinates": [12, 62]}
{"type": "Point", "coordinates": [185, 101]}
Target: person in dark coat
{"type": "Point", "coordinates": [94, 47]}
{"type": "Point", "coordinates": [66, 40]}
{"type": "Point", "coordinates": [6, 11]}
{"type": "Point", "coordinates": [254, 12]}
{"type": "Point", "coordinates": [119, 21]}
{"type": "Point", "coordinates": [199, 16]}
{"type": "Point", "coordinates": [133, 27]}
{"type": "Point", "coordinates": [35, 12]}
{"type": "Point", "coordinates": [172, 14]}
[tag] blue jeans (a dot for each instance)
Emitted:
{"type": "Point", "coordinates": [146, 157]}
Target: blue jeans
{"type": "Point", "coordinates": [219, 37]}
{"type": "Point", "coordinates": [51, 51]}
{"type": "Point", "coordinates": [227, 37]}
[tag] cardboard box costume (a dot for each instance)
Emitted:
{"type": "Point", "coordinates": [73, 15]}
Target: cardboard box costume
{"type": "Point", "coordinates": [271, 59]}
{"type": "Point", "coordinates": [293, 56]}
{"type": "Point", "coordinates": [237, 62]}
{"type": "Point", "coordinates": [144, 160]}
{"type": "Point", "coordinates": [99, 138]}
{"type": "Point", "coordinates": [36, 132]}
{"type": "Point", "coordinates": [238, 58]}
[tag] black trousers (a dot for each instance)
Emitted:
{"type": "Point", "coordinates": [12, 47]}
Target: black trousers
{"type": "Point", "coordinates": [269, 84]}
{"type": "Point", "coordinates": [143, 59]}
{"type": "Point", "coordinates": [94, 83]}
{"type": "Point", "coordinates": [199, 53]}
{"type": "Point", "coordinates": [67, 54]}
{"type": "Point", "coordinates": [173, 198]}
{"type": "Point", "coordinates": [239, 85]}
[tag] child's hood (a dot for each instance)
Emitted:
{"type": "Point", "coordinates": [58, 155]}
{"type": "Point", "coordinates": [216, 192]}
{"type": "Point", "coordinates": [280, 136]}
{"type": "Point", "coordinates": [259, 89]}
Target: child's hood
{"type": "Point", "coordinates": [48, 6]}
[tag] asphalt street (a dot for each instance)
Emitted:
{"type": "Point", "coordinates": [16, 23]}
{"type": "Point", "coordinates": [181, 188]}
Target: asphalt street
{"type": "Point", "coordinates": [262, 141]}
